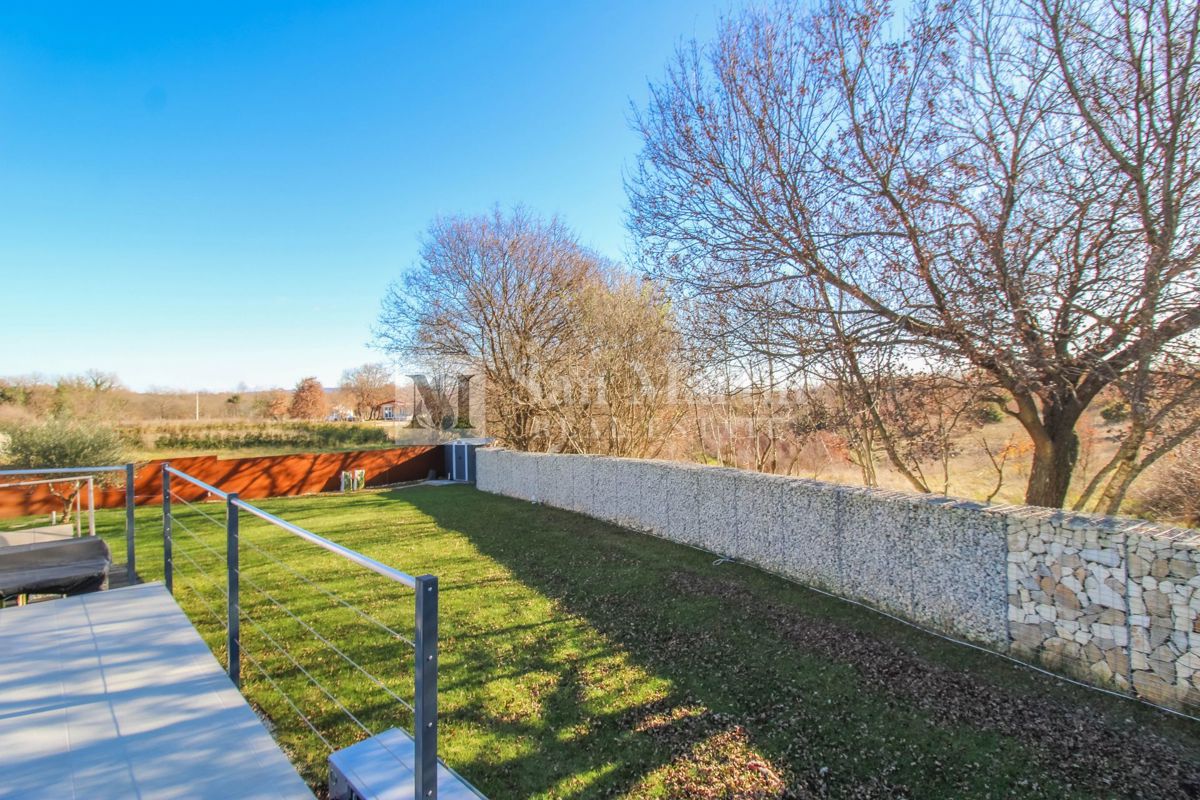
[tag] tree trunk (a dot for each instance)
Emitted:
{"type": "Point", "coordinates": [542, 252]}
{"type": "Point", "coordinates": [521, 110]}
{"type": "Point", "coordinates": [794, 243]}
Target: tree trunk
{"type": "Point", "coordinates": [1114, 494]}
{"type": "Point", "coordinates": [1126, 471]}
{"type": "Point", "coordinates": [1054, 457]}
{"type": "Point", "coordinates": [68, 500]}
{"type": "Point", "coordinates": [1118, 486]}
{"type": "Point", "coordinates": [1121, 462]}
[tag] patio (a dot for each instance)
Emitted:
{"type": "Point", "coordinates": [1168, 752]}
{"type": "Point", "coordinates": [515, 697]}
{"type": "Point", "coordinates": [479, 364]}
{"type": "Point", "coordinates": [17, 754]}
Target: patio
{"type": "Point", "coordinates": [114, 694]}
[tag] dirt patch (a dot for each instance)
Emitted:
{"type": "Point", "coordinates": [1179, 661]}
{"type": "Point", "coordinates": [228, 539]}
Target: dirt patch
{"type": "Point", "coordinates": [712, 758]}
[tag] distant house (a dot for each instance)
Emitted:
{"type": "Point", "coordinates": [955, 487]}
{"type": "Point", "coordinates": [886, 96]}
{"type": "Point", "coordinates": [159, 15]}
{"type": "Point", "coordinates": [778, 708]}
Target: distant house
{"type": "Point", "coordinates": [390, 410]}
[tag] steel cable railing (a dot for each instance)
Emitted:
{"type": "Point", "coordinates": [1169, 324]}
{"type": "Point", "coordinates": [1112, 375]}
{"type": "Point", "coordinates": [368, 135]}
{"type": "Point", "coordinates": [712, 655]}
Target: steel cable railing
{"type": "Point", "coordinates": [279, 690]}
{"type": "Point", "coordinates": [322, 590]}
{"type": "Point", "coordinates": [320, 686]}
{"type": "Point", "coordinates": [193, 507]}
{"type": "Point", "coordinates": [177, 523]}
{"type": "Point", "coordinates": [317, 635]}
{"type": "Point", "coordinates": [423, 643]}
{"type": "Point", "coordinates": [199, 595]}
{"type": "Point", "coordinates": [195, 536]}
{"type": "Point", "coordinates": [171, 562]}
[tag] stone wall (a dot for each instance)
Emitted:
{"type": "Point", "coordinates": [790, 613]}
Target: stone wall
{"type": "Point", "coordinates": [1115, 602]}
{"type": "Point", "coordinates": [1067, 593]}
{"type": "Point", "coordinates": [1164, 615]}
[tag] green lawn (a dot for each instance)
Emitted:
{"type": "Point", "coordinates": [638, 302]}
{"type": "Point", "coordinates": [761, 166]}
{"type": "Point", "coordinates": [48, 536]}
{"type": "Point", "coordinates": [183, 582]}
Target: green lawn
{"type": "Point", "coordinates": [582, 660]}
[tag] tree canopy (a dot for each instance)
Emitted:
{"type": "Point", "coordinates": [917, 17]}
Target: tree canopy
{"type": "Point", "coordinates": [1009, 188]}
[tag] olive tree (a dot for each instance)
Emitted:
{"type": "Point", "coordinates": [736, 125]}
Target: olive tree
{"type": "Point", "coordinates": [59, 443]}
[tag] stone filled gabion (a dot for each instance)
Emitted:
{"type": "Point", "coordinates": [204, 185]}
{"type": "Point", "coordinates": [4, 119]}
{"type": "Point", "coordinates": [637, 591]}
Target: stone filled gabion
{"type": "Point", "coordinates": [1164, 616]}
{"type": "Point", "coordinates": [1114, 602]}
{"type": "Point", "coordinates": [1067, 595]}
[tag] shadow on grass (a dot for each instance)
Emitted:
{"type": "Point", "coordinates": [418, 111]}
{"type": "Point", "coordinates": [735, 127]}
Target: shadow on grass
{"type": "Point", "coordinates": [663, 674]}
{"type": "Point", "coordinates": [583, 660]}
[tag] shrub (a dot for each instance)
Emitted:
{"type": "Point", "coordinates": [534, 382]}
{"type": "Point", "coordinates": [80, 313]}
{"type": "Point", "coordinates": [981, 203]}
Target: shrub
{"type": "Point", "coordinates": [61, 443]}
{"type": "Point", "coordinates": [987, 414]}
{"type": "Point", "coordinates": [1174, 494]}
{"type": "Point", "coordinates": [1114, 411]}
{"type": "Point", "coordinates": [291, 435]}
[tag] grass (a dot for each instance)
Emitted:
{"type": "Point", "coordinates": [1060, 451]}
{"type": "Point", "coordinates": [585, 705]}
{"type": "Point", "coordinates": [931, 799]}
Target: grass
{"type": "Point", "coordinates": [582, 660]}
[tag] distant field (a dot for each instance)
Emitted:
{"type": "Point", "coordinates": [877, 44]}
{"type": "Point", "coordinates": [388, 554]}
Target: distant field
{"type": "Point", "coordinates": [246, 452]}
{"type": "Point", "coordinates": [971, 473]}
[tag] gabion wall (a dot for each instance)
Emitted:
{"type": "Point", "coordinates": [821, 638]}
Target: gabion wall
{"type": "Point", "coordinates": [1112, 601]}
{"type": "Point", "coordinates": [856, 542]}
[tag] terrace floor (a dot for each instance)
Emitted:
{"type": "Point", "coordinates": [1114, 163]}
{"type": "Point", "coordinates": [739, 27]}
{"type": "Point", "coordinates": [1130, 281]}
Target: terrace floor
{"type": "Point", "coordinates": [582, 660]}
{"type": "Point", "coordinates": [115, 695]}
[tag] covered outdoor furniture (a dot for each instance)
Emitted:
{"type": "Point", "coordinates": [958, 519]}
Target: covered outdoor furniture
{"type": "Point", "coordinates": [66, 567]}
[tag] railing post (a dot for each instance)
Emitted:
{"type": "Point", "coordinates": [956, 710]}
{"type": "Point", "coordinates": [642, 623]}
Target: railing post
{"type": "Point", "coordinates": [130, 552]}
{"type": "Point", "coordinates": [168, 564]}
{"type": "Point", "coordinates": [91, 506]}
{"type": "Point", "coordinates": [234, 645]}
{"type": "Point", "coordinates": [425, 719]}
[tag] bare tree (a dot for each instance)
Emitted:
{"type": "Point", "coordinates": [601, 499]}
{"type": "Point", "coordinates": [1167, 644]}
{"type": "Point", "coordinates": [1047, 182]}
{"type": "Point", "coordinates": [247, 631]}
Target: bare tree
{"type": "Point", "coordinates": [499, 292]}
{"type": "Point", "coordinates": [1164, 414]}
{"type": "Point", "coordinates": [1003, 186]}
{"type": "Point", "coordinates": [997, 458]}
{"type": "Point", "coordinates": [1175, 494]}
{"type": "Point", "coordinates": [620, 392]}
{"type": "Point", "coordinates": [272, 404]}
{"type": "Point", "coordinates": [99, 381]}
{"type": "Point", "coordinates": [369, 386]}
{"type": "Point", "coordinates": [571, 351]}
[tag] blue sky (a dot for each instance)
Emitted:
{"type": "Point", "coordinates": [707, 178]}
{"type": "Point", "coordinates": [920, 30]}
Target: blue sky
{"type": "Point", "coordinates": [195, 196]}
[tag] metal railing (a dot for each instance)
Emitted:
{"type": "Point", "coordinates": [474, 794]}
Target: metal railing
{"type": "Point", "coordinates": [78, 481]}
{"type": "Point", "coordinates": [87, 472]}
{"type": "Point", "coordinates": [424, 642]}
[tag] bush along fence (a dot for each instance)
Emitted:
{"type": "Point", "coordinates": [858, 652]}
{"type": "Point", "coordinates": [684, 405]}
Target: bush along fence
{"type": "Point", "coordinates": [251, 478]}
{"type": "Point", "coordinates": [1114, 602]}
{"type": "Point", "coordinates": [225, 435]}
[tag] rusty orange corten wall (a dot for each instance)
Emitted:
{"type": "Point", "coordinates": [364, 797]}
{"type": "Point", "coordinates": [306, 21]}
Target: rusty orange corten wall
{"type": "Point", "coordinates": [259, 477]}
